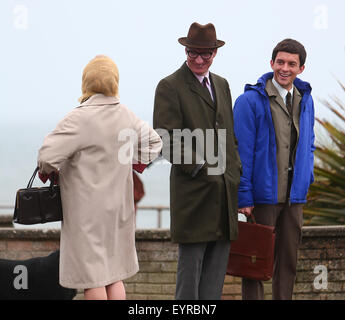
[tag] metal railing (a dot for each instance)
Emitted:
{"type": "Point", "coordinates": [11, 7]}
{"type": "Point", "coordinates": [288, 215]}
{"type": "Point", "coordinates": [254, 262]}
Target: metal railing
{"type": "Point", "coordinates": [158, 209]}
{"type": "Point", "coordinates": [6, 207]}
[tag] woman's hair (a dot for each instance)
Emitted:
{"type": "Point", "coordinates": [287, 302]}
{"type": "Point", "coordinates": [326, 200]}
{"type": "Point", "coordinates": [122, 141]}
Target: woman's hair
{"type": "Point", "coordinates": [291, 46]}
{"type": "Point", "coordinates": [100, 76]}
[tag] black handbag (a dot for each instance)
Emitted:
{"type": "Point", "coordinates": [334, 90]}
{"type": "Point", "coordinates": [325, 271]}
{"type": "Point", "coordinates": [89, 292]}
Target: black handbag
{"type": "Point", "coordinates": [38, 205]}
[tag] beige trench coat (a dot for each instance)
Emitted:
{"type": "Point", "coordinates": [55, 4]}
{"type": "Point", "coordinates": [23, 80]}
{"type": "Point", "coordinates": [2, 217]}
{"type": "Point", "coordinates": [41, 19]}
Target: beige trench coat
{"type": "Point", "coordinates": [92, 149]}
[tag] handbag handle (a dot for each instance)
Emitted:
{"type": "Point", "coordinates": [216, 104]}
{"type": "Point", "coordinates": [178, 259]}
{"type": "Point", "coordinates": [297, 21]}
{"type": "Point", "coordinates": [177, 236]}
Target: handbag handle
{"type": "Point", "coordinates": [32, 178]}
{"type": "Point", "coordinates": [31, 181]}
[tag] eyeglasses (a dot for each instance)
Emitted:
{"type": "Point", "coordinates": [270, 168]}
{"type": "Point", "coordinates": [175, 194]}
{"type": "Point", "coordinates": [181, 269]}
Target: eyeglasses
{"type": "Point", "coordinates": [204, 55]}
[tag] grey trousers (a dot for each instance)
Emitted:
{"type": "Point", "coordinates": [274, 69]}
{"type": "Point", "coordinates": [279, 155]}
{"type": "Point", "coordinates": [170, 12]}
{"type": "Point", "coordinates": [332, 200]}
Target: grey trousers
{"type": "Point", "coordinates": [288, 221]}
{"type": "Point", "coordinates": [201, 270]}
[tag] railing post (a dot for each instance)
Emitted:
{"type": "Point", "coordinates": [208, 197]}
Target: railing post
{"type": "Point", "coordinates": [159, 218]}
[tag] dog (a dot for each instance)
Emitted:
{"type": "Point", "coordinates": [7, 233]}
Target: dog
{"type": "Point", "coordinates": [33, 279]}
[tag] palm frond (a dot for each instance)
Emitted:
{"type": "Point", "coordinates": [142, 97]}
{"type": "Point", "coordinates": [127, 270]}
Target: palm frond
{"type": "Point", "coordinates": [326, 197]}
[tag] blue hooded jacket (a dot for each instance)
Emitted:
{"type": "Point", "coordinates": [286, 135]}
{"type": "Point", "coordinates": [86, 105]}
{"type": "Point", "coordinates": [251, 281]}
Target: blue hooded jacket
{"type": "Point", "coordinates": [255, 133]}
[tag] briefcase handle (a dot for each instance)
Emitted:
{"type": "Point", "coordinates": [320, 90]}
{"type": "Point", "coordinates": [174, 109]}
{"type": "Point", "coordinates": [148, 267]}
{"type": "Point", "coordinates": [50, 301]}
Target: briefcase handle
{"type": "Point", "coordinates": [251, 218]}
{"type": "Point", "coordinates": [31, 181]}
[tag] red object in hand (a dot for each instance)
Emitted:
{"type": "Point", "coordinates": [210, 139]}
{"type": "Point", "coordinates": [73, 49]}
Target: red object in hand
{"type": "Point", "coordinates": [139, 167]}
{"type": "Point", "coordinates": [44, 177]}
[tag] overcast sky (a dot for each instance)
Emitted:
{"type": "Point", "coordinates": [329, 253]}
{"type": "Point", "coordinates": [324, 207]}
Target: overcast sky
{"type": "Point", "coordinates": [45, 45]}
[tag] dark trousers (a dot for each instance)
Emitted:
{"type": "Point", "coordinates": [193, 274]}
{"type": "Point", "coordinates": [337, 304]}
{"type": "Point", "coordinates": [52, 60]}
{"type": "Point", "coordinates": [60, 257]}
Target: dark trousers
{"type": "Point", "coordinates": [288, 221]}
{"type": "Point", "coordinates": [201, 270]}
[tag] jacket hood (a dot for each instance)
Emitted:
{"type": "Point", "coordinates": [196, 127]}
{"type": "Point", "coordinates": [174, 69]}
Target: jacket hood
{"type": "Point", "coordinates": [303, 87]}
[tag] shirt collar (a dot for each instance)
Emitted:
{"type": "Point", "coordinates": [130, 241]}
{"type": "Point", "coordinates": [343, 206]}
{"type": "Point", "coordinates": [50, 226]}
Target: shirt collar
{"type": "Point", "coordinates": [282, 91]}
{"type": "Point", "coordinates": [200, 78]}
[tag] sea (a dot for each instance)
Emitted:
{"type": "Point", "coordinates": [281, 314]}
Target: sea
{"type": "Point", "coordinates": [19, 144]}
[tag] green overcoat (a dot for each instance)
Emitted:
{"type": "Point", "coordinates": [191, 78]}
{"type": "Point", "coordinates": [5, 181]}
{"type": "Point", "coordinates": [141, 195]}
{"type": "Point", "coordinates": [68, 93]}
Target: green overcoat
{"type": "Point", "coordinates": [203, 206]}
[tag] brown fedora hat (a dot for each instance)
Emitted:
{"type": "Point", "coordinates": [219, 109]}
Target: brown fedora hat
{"type": "Point", "coordinates": [201, 36]}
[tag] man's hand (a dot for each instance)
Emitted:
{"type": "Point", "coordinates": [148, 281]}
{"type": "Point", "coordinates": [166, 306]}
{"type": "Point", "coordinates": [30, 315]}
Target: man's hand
{"type": "Point", "coordinates": [247, 211]}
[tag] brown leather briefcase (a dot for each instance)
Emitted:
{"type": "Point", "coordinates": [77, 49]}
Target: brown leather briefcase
{"type": "Point", "coordinates": [252, 254]}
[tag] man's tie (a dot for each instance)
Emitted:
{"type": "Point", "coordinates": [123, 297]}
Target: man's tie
{"type": "Point", "coordinates": [204, 84]}
{"type": "Point", "coordinates": [289, 103]}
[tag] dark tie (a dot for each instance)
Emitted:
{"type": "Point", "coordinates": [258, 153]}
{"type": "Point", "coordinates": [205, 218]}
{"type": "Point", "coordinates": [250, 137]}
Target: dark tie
{"type": "Point", "coordinates": [204, 84]}
{"type": "Point", "coordinates": [289, 103]}
{"type": "Point", "coordinates": [293, 143]}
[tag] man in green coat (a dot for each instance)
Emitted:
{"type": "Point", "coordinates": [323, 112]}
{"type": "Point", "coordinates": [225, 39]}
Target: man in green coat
{"type": "Point", "coordinates": [193, 114]}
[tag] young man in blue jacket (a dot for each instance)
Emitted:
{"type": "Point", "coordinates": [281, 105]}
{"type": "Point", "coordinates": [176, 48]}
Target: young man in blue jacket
{"type": "Point", "coordinates": [274, 125]}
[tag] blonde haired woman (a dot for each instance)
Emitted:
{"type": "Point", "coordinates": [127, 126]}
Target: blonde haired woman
{"type": "Point", "coordinates": [97, 244]}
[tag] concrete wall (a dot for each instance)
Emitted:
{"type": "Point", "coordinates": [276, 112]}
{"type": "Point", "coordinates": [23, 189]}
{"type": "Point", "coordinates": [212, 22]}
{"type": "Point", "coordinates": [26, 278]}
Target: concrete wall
{"type": "Point", "coordinates": [322, 247]}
